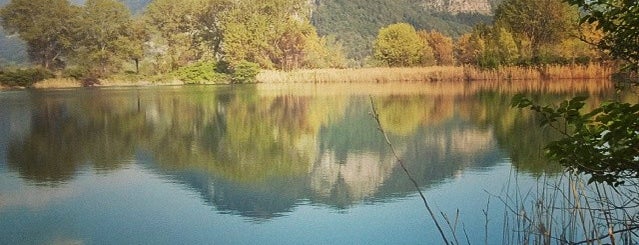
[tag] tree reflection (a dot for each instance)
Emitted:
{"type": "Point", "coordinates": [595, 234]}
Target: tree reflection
{"type": "Point", "coordinates": [258, 154]}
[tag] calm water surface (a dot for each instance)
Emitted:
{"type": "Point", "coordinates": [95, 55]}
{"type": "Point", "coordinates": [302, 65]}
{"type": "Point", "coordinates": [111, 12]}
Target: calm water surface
{"type": "Point", "coordinates": [266, 164]}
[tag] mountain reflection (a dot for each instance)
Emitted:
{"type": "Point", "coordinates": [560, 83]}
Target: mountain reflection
{"type": "Point", "coordinates": [258, 153]}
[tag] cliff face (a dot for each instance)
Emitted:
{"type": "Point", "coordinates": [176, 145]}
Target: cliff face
{"type": "Point", "coordinates": [460, 6]}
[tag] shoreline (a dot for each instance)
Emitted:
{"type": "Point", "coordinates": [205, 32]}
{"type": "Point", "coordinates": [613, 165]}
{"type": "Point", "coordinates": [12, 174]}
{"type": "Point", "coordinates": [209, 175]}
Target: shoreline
{"type": "Point", "coordinates": [371, 75]}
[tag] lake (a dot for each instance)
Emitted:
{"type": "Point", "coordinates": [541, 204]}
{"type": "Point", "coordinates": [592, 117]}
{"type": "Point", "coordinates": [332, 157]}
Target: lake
{"type": "Point", "coordinates": [268, 163]}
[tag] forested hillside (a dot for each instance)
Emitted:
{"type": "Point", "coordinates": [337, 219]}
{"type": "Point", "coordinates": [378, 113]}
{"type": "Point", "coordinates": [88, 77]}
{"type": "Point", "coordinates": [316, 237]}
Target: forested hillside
{"type": "Point", "coordinates": [355, 23]}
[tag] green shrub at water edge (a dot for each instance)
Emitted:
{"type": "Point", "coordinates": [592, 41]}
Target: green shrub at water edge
{"type": "Point", "coordinates": [77, 73]}
{"type": "Point", "coordinates": [201, 72]}
{"type": "Point", "coordinates": [245, 72]}
{"type": "Point", "coordinates": [24, 77]}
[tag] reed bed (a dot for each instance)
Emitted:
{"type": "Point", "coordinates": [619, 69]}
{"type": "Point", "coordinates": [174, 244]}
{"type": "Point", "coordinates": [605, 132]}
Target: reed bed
{"type": "Point", "coordinates": [366, 75]}
{"type": "Point", "coordinates": [436, 73]}
{"type": "Point", "coordinates": [591, 86]}
{"type": "Point", "coordinates": [568, 210]}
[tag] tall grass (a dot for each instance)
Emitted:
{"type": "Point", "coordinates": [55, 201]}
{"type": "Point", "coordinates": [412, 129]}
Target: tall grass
{"type": "Point", "coordinates": [568, 210]}
{"type": "Point", "coordinates": [436, 73]}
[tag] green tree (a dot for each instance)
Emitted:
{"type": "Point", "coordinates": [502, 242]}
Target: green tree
{"type": "Point", "coordinates": [210, 24]}
{"type": "Point", "coordinates": [539, 22]}
{"type": "Point", "coordinates": [506, 46]}
{"type": "Point", "coordinates": [428, 56]}
{"type": "Point", "coordinates": [618, 20]}
{"type": "Point", "coordinates": [105, 37]}
{"type": "Point", "coordinates": [398, 45]}
{"type": "Point", "coordinates": [47, 27]}
{"type": "Point", "coordinates": [274, 34]}
{"type": "Point", "coordinates": [604, 142]}
{"type": "Point", "coordinates": [470, 48]}
{"type": "Point", "coordinates": [176, 35]}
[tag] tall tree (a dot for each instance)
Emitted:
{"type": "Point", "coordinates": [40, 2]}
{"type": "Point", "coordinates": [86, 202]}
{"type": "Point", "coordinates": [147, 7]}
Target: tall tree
{"type": "Point", "coordinates": [398, 45]}
{"type": "Point", "coordinates": [602, 143]}
{"type": "Point", "coordinates": [539, 22]}
{"type": "Point", "coordinates": [618, 20]}
{"type": "Point", "coordinates": [178, 37]}
{"type": "Point", "coordinates": [210, 24]}
{"type": "Point", "coordinates": [506, 47]}
{"type": "Point", "coordinates": [428, 55]}
{"type": "Point", "coordinates": [470, 47]}
{"type": "Point", "coordinates": [274, 34]}
{"type": "Point", "coordinates": [105, 36]}
{"type": "Point", "coordinates": [46, 26]}
{"type": "Point", "coordinates": [442, 47]}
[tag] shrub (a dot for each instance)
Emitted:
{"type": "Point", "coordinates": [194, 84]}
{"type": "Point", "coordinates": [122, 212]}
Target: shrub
{"type": "Point", "coordinates": [77, 73]}
{"type": "Point", "coordinates": [201, 72]}
{"type": "Point", "coordinates": [24, 77]}
{"type": "Point", "coordinates": [245, 72]}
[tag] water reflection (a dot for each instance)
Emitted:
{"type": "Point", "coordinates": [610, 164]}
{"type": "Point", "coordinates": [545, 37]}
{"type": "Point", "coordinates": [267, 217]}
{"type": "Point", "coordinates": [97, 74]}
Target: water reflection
{"type": "Point", "coordinates": [258, 151]}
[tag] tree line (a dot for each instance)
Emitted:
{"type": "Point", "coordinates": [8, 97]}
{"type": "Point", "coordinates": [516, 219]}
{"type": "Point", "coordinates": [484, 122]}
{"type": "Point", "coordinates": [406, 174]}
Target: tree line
{"type": "Point", "coordinates": [211, 39]}
{"type": "Point", "coordinates": [102, 37]}
{"type": "Point", "coordinates": [523, 33]}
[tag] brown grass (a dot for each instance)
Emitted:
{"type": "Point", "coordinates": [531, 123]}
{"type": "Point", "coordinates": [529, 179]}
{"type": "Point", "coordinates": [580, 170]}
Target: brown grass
{"type": "Point", "coordinates": [435, 88]}
{"type": "Point", "coordinates": [58, 83]}
{"type": "Point", "coordinates": [436, 73]}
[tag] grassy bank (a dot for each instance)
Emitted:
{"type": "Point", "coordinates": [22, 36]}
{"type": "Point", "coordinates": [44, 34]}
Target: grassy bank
{"type": "Point", "coordinates": [368, 75]}
{"type": "Point", "coordinates": [437, 73]}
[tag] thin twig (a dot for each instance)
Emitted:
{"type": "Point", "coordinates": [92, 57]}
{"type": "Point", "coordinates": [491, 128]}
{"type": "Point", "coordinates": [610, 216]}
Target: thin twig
{"type": "Point", "coordinates": [401, 164]}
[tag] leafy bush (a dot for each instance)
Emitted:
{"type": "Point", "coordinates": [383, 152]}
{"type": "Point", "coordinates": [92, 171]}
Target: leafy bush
{"type": "Point", "coordinates": [24, 77]}
{"type": "Point", "coordinates": [77, 73]}
{"type": "Point", "coordinates": [201, 72]}
{"type": "Point", "coordinates": [603, 143]}
{"type": "Point", "coordinates": [245, 72]}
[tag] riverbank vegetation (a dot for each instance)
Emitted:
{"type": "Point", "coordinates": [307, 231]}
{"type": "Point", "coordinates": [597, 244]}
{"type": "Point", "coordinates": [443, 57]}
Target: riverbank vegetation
{"type": "Point", "coordinates": [221, 41]}
{"type": "Point", "coordinates": [437, 74]}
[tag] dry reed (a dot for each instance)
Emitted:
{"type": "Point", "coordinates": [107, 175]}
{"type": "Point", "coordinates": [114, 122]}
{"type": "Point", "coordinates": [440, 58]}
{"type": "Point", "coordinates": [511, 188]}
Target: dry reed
{"type": "Point", "coordinates": [58, 83]}
{"type": "Point", "coordinates": [570, 211]}
{"type": "Point", "coordinates": [436, 73]}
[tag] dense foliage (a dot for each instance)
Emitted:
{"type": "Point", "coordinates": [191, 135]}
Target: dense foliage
{"type": "Point", "coordinates": [355, 23]}
{"type": "Point", "coordinates": [201, 72]}
{"type": "Point", "coordinates": [530, 33]}
{"type": "Point", "coordinates": [604, 142]}
{"type": "Point", "coordinates": [399, 45]}
{"type": "Point", "coordinates": [618, 20]}
{"type": "Point", "coordinates": [46, 26]}
{"type": "Point", "coordinates": [102, 37]}
{"type": "Point", "coordinates": [158, 37]}
{"type": "Point", "coordinates": [23, 77]}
